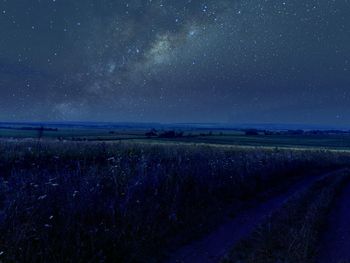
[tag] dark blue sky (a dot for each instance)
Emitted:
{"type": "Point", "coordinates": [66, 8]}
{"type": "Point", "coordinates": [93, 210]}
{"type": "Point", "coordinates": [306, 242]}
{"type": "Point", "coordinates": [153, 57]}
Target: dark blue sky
{"type": "Point", "coordinates": [175, 61]}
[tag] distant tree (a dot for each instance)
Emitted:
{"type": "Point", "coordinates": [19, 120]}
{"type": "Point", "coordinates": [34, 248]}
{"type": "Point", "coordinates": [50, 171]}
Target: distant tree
{"type": "Point", "coordinates": [151, 133]}
{"type": "Point", "coordinates": [251, 132]}
{"type": "Point", "coordinates": [295, 132]}
{"type": "Point", "coordinates": [180, 134]}
{"type": "Point", "coordinates": [315, 132]}
{"type": "Point", "coordinates": [299, 132]}
{"type": "Point", "coordinates": [171, 134]}
{"type": "Point", "coordinates": [267, 132]}
{"type": "Point", "coordinates": [167, 134]}
{"type": "Point", "coordinates": [40, 132]}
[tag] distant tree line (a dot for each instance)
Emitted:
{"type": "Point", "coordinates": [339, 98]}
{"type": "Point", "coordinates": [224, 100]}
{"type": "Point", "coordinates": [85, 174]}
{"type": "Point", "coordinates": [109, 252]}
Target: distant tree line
{"type": "Point", "coordinates": [164, 134]}
{"type": "Point", "coordinates": [29, 128]}
{"type": "Point", "coordinates": [38, 128]}
{"type": "Point", "coordinates": [255, 132]}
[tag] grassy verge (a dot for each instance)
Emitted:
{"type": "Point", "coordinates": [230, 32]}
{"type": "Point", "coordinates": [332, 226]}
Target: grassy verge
{"type": "Point", "coordinates": [292, 233]}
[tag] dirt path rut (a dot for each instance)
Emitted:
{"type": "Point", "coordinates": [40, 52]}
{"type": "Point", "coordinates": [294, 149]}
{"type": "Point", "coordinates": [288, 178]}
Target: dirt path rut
{"type": "Point", "coordinates": [214, 246]}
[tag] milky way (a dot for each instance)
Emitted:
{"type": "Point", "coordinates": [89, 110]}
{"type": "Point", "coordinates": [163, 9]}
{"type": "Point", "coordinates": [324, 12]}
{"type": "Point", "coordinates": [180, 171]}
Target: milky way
{"type": "Point", "coordinates": [175, 61]}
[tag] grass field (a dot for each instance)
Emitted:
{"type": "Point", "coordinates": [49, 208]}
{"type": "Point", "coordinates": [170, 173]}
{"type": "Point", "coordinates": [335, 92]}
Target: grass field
{"type": "Point", "coordinates": [341, 142]}
{"type": "Point", "coordinates": [131, 202]}
{"type": "Point", "coordinates": [104, 194]}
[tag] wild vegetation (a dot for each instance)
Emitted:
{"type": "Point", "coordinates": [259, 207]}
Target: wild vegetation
{"type": "Point", "coordinates": [292, 234]}
{"type": "Point", "coordinates": [89, 202]}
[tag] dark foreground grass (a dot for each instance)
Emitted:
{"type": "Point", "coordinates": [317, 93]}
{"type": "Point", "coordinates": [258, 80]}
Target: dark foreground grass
{"type": "Point", "coordinates": [87, 202]}
{"type": "Point", "coordinates": [292, 233]}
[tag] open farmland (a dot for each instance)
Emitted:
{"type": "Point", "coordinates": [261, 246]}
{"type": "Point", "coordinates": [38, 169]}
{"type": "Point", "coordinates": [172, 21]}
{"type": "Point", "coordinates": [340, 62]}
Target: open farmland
{"type": "Point", "coordinates": [135, 202]}
{"type": "Point", "coordinates": [336, 140]}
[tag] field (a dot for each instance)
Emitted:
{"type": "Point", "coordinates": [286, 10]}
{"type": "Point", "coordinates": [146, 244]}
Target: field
{"type": "Point", "coordinates": [189, 134]}
{"type": "Point", "coordinates": [96, 195]}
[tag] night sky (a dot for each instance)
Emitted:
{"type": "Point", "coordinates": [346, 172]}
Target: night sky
{"type": "Point", "coordinates": [218, 61]}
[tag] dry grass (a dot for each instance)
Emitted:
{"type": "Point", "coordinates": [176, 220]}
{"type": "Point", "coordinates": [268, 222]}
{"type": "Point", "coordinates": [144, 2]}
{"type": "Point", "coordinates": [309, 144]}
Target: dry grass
{"type": "Point", "coordinates": [89, 202]}
{"type": "Point", "coordinates": [292, 233]}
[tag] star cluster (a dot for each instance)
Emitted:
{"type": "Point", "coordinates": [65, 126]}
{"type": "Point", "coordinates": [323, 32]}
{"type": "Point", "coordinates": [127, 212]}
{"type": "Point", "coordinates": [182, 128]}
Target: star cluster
{"type": "Point", "coordinates": [234, 61]}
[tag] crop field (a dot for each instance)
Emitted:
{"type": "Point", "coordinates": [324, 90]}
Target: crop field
{"type": "Point", "coordinates": [69, 201]}
{"type": "Point", "coordinates": [341, 142]}
{"type": "Point", "coordinates": [104, 133]}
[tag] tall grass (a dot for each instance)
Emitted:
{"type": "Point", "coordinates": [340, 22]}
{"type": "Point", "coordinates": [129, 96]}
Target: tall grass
{"type": "Point", "coordinates": [292, 233]}
{"type": "Point", "coordinates": [87, 202]}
